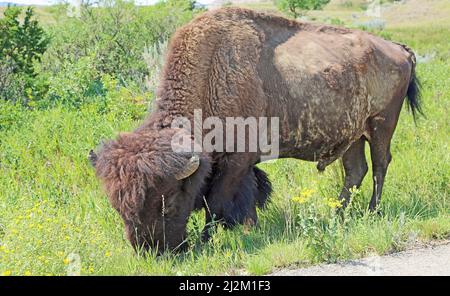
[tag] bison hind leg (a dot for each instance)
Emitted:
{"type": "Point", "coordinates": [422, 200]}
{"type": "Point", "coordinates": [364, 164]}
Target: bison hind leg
{"type": "Point", "coordinates": [355, 167]}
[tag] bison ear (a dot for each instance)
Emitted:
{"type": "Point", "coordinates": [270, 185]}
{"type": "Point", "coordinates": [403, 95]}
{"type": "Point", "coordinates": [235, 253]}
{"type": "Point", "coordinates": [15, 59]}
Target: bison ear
{"type": "Point", "coordinates": [92, 157]}
{"type": "Point", "coordinates": [191, 167]}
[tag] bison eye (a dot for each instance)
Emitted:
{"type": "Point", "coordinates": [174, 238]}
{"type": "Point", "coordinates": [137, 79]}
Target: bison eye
{"type": "Point", "coordinates": [92, 157]}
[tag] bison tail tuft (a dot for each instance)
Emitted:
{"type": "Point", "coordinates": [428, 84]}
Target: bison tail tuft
{"type": "Point", "coordinates": [414, 88]}
{"type": "Point", "coordinates": [414, 96]}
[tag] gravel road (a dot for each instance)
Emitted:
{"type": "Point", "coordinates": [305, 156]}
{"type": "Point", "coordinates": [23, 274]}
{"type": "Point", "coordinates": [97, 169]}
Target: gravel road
{"type": "Point", "coordinates": [425, 261]}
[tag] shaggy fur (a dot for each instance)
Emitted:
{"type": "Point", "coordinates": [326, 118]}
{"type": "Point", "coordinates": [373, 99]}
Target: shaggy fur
{"type": "Point", "coordinates": [332, 89]}
{"type": "Point", "coordinates": [254, 189]}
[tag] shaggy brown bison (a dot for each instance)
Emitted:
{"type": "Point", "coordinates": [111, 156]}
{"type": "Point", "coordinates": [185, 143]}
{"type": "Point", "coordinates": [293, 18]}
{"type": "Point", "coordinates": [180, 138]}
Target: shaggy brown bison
{"type": "Point", "coordinates": [331, 88]}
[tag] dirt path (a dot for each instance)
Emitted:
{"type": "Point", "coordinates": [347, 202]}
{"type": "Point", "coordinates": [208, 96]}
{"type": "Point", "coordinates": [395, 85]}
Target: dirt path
{"type": "Point", "coordinates": [431, 260]}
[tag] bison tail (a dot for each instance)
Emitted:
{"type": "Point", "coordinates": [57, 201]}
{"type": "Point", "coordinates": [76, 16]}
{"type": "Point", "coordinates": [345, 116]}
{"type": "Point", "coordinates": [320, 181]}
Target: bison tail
{"type": "Point", "coordinates": [414, 96]}
{"type": "Point", "coordinates": [264, 187]}
{"type": "Point", "coordinates": [414, 88]}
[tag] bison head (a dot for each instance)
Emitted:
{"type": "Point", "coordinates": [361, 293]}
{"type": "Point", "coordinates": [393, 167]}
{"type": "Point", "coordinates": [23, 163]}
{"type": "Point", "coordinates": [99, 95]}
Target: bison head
{"type": "Point", "coordinates": [152, 187]}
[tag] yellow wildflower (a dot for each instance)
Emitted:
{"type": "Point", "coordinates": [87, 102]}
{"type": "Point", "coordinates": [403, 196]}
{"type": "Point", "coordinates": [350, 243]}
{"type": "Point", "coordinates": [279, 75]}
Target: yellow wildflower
{"type": "Point", "coordinates": [108, 254]}
{"type": "Point", "coordinates": [303, 197]}
{"type": "Point", "coordinates": [66, 261]}
{"type": "Point", "coordinates": [333, 203]}
{"type": "Point", "coordinates": [307, 192]}
{"type": "Point", "coordinates": [299, 199]}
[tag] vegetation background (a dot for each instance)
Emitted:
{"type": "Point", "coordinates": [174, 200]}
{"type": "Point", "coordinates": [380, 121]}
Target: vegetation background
{"type": "Point", "coordinates": [69, 80]}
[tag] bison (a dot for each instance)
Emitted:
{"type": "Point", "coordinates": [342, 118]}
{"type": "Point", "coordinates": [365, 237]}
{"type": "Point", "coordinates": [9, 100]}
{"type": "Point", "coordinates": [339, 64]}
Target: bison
{"type": "Point", "coordinates": [333, 89]}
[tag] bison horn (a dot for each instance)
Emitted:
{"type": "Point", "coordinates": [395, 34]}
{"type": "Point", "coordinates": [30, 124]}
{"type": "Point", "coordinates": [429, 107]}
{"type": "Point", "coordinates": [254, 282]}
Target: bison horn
{"type": "Point", "coordinates": [191, 167]}
{"type": "Point", "coordinates": [92, 157]}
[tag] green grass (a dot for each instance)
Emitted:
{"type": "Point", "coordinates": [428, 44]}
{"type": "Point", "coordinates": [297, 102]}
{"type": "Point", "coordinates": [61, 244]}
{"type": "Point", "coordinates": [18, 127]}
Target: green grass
{"type": "Point", "coordinates": [53, 214]}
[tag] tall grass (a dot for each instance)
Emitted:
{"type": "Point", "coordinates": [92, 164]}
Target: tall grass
{"type": "Point", "coordinates": [51, 205]}
{"type": "Point", "coordinates": [54, 216]}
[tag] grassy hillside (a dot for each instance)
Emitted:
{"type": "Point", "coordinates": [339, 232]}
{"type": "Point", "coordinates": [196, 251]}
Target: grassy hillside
{"type": "Point", "coordinates": [43, 13]}
{"type": "Point", "coordinates": [55, 220]}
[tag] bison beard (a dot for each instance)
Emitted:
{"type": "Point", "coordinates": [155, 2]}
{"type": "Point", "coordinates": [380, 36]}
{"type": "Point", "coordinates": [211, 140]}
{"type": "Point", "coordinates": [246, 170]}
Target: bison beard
{"type": "Point", "coordinates": [254, 190]}
{"type": "Point", "coordinates": [333, 89]}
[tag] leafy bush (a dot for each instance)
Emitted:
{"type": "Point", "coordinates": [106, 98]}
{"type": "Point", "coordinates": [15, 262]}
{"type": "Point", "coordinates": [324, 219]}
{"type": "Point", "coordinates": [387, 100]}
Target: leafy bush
{"type": "Point", "coordinates": [22, 43]}
{"type": "Point", "coordinates": [115, 36]}
{"type": "Point", "coordinates": [10, 115]}
{"type": "Point", "coordinates": [297, 8]}
{"type": "Point", "coordinates": [75, 84]}
{"type": "Point", "coordinates": [123, 101]}
{"type": "Point", "coordinates": [116, 39]}
{"type": "Point", "coordinates": [21, 46]}
{"type": "Point", "coordinates": [12, 85]}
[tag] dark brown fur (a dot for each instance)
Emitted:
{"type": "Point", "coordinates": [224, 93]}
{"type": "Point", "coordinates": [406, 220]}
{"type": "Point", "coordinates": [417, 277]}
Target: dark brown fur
{"type": "Point", "coordinates": [332, 88]}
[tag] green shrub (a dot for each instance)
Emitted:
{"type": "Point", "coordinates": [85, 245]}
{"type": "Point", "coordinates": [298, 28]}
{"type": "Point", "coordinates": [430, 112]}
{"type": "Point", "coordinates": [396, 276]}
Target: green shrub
{"type": "Point", "coordinates": [75, 84]}
{"type": "Point", "coordinates": [123, 101]}
{"type": "Point", "coordinates": [117, 41]}
{"type": "Point", "coordinates": [297, 8]}
{"type": "Point", "coordinates": [10, 115]}
{"type": "Point", "coordinates": [115, 37]}
{"type": "Point", "coordinates": [22, 43]}
{"type": "Point", "coordinates": [21, 46]}
{"type": "Point", "coordinates": [12, 85]}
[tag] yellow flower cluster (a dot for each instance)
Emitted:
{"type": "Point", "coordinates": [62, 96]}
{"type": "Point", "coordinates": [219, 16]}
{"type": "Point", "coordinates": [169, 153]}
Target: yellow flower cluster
{"type": "Point", "coordinates": [303, 197]}
{"type": "Point", "coordinates": [333, 203]}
